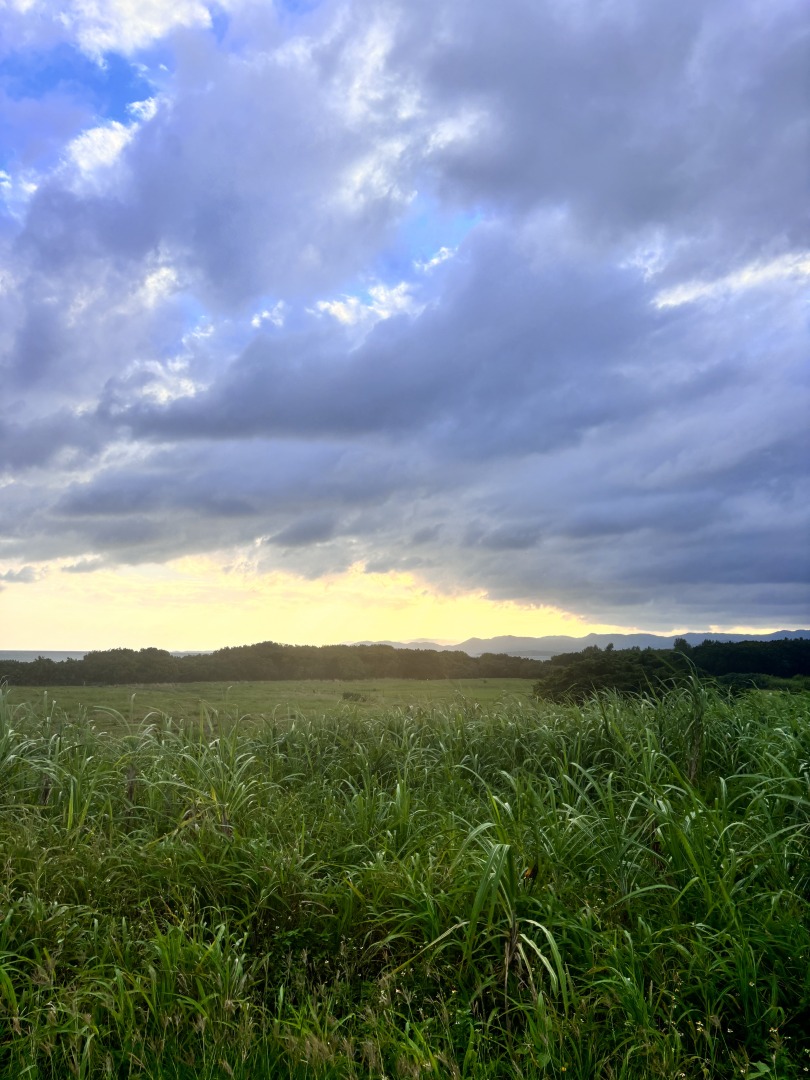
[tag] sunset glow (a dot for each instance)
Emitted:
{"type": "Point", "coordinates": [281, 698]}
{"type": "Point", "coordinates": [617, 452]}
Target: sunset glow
{"type": "Point", "coordinates": [203, 607]}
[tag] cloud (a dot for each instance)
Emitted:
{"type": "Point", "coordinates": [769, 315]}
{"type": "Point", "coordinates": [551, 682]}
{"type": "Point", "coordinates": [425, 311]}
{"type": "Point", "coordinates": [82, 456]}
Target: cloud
{"type": "Point", "coordinates": [234, 317]}
{"type": "Point", "coordinates": [313, 529]}
{"type": "Point", "coordinates": [382, 303]}
{"type": "Point", "coordinates": [605, 465]}
{"type": "Point", "coordinates": [83, 566]}
{"type": "Point", "coordinates": [275, 316]}
{"type": "Point", "coordinates": [795, 265]}
{"type": "Point", "coordinates": [99, 147]}
{"type": "Point", "coordinates": [442, 255]}
{"type": "Point", "coordinates": [635, 118]}
{"type": "Point", "coordinates": [24, 576]}
{"type": "Point", "coordinates": [101, 26]}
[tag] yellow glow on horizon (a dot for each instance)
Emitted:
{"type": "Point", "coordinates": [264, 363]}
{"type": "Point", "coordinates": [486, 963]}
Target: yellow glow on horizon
{"type": "Point", "coordinates": [197, 603]}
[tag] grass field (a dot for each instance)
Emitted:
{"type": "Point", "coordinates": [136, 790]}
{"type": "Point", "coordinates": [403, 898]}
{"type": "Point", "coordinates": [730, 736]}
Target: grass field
{"type": "Point", "coordinates": [480, 886]}
{"type": "Point", "coordinates": [258, 701]}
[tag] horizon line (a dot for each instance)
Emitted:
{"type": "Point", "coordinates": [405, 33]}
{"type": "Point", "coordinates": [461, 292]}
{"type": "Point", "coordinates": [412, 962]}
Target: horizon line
{"type": "Point", "coordinates": [441, 643]}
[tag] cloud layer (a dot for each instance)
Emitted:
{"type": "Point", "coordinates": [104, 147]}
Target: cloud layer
{"type": "Point", "coordinates": [513, 303]}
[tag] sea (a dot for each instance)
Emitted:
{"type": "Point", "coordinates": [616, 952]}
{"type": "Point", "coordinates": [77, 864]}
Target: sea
{"type": "Point", "coordinates": [31, 654]}
{"type": "Point", "coordinates": [26, 655]}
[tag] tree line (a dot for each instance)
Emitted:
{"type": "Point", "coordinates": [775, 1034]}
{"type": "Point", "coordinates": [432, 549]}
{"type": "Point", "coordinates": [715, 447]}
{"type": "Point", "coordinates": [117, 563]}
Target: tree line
{"type": "Point", "coordinates": [738, 665]}
{"type": "Point", "coordinates": [267, 660]}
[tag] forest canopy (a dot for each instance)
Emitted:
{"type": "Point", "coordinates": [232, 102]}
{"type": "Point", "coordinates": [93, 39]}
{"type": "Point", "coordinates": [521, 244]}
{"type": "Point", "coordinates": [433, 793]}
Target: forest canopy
{"type": "Point", "coordinates": [739, 665]}
{"type": "Point", "coordinates": [267, 660]}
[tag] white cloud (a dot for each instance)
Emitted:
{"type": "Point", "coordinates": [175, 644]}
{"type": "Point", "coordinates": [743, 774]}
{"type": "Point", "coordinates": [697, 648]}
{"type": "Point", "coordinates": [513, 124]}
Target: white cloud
{"type": "Point", "coordinates": [467, 126]}
{"type": "Point", "coordinates": [143, 110]}
{"type": "Point", "coordinates": [649, 256]}
{"type": "Point", "coordinates": [99, 147]}
{"type": "Point", "coordinates": [275, 315]}
{"type": "Point", "coordinates": [349, 310]}
{"type": "Point", "coordinates": [376, 177]}
{"type": "Point", "coordinates": [442, 255]}
{"type": "Point", "coordinates": [784, 268]}
{"type": "Point", "coordinates": [83, 299]}
{"type": "Point", "coordinates": [23, 7]}
{"type": "Point", "coordinates": [16, 190]}
{"type": "Point", "coordinates": [369, 89]}
{"type": "Point", "coordinates": [201, 331]}
{"type": "Point", "coordinates": [168, 382]}
{"type": "Point", "coordinates": [128, 25]}
{"type": "Point", "coordinates": [99, 27]}
{"type": "Point", "coordinates": [157, 286]}
{"type": "Point", "coordinates": [94, 301]}
{"type": "Point", "coordinates": [383, 302]}
{"type": "Point", "coordinates": [95, 152]}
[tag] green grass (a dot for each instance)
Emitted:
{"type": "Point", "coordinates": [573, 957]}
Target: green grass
{"type": "Point", "coordinates": [259, 701]}
{"type": "Point", "coordinates": [447, 889]}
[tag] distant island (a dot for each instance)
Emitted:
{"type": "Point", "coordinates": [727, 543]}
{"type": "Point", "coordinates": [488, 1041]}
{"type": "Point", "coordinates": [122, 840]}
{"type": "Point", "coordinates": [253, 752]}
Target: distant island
{"type": "Point", "coordinates": [551, 645]}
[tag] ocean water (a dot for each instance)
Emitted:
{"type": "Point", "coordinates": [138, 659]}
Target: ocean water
{"type": "Point", "coordinates": [27, 655]}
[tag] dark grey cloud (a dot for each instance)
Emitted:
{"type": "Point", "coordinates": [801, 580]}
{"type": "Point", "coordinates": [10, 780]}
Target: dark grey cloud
{"type": "Point", "coordinates": [23, 576]}
{"type": "Point", "coordinates": [37, 442]}
{"type": "Point", "coordinates": [504, 363]}
{"type": "Point", "coordinates": [312, 529]}
{"type": "Point", "coordinates": [83, 566]}
{"type": "Point", "coordinates": [687, 118]}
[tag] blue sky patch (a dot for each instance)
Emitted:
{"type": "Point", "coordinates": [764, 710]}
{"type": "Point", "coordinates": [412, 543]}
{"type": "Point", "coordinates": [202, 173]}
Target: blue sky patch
{"type": "Point", "coordinates": [425, 230]}
{"type": "Point", "coordinates": [107, 89]}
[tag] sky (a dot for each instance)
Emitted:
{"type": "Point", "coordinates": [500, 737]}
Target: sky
{"type": "Point", "coordinates": [399, 319]}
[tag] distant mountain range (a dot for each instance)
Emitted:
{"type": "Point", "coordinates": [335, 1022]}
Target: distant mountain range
{"type": "Point", "coordinates": [533, 648]}
{"type": "Point", "coordinates": [540, 648]}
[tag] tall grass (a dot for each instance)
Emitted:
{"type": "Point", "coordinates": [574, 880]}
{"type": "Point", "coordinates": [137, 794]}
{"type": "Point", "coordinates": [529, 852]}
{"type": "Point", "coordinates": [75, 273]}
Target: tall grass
{"type": "Point", "coordinates": [616, 890]}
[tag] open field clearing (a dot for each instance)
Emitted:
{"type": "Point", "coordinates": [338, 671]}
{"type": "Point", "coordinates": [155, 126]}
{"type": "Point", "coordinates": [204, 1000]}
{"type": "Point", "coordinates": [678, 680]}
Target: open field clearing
{"type": "Point", "coordinates": [222, 703]}
{"type": "Point", "coordinates": [403, 887]}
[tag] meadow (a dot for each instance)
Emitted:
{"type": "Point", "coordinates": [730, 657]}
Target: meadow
{"type": "Point", "coordinates": [255, 702]}
{"type": "Point", "coordinates": [271, 881]}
